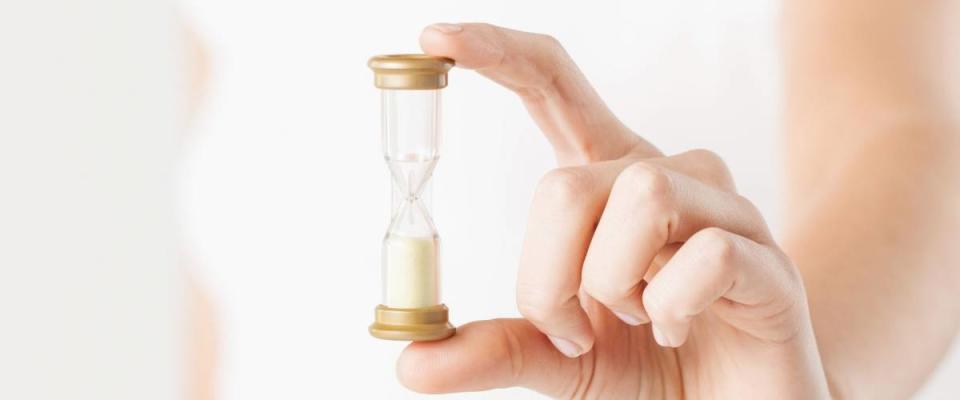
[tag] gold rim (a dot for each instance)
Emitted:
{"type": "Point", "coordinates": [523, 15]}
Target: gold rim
{"type": "Point", "coordinates": [410, 71]}
{"type": "Point", "coordinates": [416, 324]}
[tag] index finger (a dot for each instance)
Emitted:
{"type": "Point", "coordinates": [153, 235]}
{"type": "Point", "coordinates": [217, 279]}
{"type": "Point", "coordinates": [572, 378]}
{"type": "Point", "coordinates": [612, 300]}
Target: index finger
{"type": "Point", "coordinates": [562, 102]}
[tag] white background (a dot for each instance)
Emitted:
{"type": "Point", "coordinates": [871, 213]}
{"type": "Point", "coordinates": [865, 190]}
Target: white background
{"type": "Point", "coordinates": [89, 130]}
{"type": "Point", "coordinates": [287, 197]}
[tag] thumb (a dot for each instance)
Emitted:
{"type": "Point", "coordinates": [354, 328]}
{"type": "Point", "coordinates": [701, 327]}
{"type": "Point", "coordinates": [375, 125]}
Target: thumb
{"type": "Point", "coordinates": [486, 355]}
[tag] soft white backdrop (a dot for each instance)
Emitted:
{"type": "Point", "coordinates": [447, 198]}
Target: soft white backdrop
{"type": "Point", "coordinates": [286, 194]}
{"type": "Point", "coordinates": [89, 129]}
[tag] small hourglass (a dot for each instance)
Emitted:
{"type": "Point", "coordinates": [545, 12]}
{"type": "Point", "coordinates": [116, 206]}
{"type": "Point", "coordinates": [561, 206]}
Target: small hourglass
{"type": "Point", "coordinates": [410, 90]}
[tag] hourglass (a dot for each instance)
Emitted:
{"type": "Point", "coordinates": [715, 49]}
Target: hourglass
{"type": "Point", "coordinates": [410, 93]}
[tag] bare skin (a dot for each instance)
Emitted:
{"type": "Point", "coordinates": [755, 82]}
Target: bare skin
{"type": "Point", "coordinates": [647, 276]}
{"type": "Point", "coordinates": [201, 343]}
{"type": "Point", "coordinates": [873, 153]}
{"type": "Point", "coordinates": [642, 275]}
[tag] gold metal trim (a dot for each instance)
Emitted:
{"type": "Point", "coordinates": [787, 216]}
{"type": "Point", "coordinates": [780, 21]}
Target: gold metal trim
{"type": "Point", "coordinates": [410, 71]}
{"type": "Point", "coordinates": [416, 324]}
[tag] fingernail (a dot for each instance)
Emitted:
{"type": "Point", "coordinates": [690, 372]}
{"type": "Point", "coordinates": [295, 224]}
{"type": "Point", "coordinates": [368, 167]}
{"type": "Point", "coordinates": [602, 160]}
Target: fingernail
{"type": "Point", "coordinates": [447, 28]}
{"type": "Point", "coordinates": [629, 319]}
{"type": "Point", "coordinates": [660, 337]}
{"type": "Point", "coordinates": [566, 347]}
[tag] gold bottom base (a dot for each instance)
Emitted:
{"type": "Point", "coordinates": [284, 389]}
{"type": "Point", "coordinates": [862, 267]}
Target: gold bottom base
{"type": "Point", "coordinates": [416, 324]}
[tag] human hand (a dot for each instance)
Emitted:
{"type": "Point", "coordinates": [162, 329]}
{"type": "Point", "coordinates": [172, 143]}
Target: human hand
{"type": "Point", "coordinates": [642, 275]}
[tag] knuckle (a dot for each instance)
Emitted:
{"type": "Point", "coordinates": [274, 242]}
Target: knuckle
{"type": "Point", "coordinates": [717, 169]}
{"type": "Point", "coordinates": [544, 53]}
{"type": "Point", "coordinates": [709, 158]}
{"type": "Point", "coordinates": [511, 345]}
{"type": "Point", "coordinates": [793, 278]}
{"type": "Point", "coordinates": [648, 189]}
{"type": "Point", "coordinates": [717, 245]}
{"type": "Point", "coordinates": [550, 41]}
{"type": "Point", "coordinates": [753, 217]}
{"type": "Point", "coordinates": [564, 186]}
{"type": "Point", "coordinates": [753, 212]}
{"type": "Point", "coordinates": [646, 182]}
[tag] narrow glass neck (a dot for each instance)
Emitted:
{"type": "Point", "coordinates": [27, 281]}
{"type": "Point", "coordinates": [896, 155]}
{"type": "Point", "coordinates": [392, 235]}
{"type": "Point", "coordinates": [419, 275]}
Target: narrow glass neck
{"type": "Point", "coordinates": [411, 142]}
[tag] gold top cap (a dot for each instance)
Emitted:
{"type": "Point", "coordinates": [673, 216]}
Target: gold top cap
{"type": "Point", "coordinates": [410, 71]}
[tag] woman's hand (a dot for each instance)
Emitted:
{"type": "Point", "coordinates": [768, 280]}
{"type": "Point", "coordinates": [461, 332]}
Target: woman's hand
{"type": "Point", "coordinates": [642, 275]}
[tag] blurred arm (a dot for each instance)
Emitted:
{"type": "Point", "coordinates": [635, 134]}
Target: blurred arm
{"type": "Point", "coordinates": [873, 202]}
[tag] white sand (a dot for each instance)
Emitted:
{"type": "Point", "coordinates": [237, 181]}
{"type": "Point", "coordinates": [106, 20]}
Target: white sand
{"type": "Point", "coordinates": [411, 271]}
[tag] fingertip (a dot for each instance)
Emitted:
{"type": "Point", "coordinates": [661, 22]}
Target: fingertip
{"type": "Point", "coordinates": [587, 339]}
{"type": "Point", "coordinates": [434, 41]}
{"type": "Point", "coordinates": [438, 44]}
{"type": "Point", "coordinates": [632, 320]}
{"type": "Point", "coordinates": [567, 347]}
{"type": "Point", "coordinates": [670, 336]}
{"type": "Point", "coordinates": [570, 333]}
{"type": "Point", "coordinates": [470, 45]}
{"type": "Point", "coordinates": [414, 368]}
{"type": "Point", "coordinates": [659, 336]}
{"type": "Point", "coordinates": [567, 327]}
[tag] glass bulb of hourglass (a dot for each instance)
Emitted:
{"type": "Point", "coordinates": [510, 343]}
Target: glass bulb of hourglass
{"type": "Point", "coordinates": [411, 246]}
